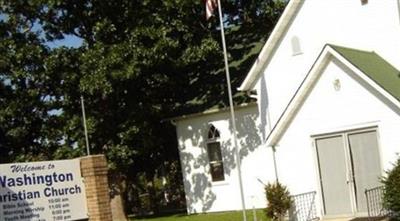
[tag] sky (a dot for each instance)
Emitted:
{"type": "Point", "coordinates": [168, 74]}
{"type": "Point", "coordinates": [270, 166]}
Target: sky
{"type": "Point", "coordinates": [68, 41]}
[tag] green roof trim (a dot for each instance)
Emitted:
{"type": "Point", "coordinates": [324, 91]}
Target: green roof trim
{"type": "Point", "coordinates": [375, 67]}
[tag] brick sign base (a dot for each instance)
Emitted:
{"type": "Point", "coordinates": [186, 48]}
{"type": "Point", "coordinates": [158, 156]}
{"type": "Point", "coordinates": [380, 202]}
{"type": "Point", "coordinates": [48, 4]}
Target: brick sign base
{"type": "Point", "coordinates": [94, 171]}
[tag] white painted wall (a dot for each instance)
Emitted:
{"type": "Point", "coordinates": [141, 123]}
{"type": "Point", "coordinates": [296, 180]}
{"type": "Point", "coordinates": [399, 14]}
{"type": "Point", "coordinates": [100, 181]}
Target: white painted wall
{"type": "Point", "coordinates": [374, 26]}
{"type": "Point", "coordinates": [202, 194]}
{"type": "Point", "coordinates": [328, 110]}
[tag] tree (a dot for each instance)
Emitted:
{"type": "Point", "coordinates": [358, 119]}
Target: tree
{"type": "Point", "coordinates": [279, 201]}
{"type": "Point", "coordinates": [28, 94]}
{"type": "Point", "coordinates": [135, 55]}
{"type": "Point", "coordinates": [391, 196]}
{"type": "Point", "coordinates": [141, 62]}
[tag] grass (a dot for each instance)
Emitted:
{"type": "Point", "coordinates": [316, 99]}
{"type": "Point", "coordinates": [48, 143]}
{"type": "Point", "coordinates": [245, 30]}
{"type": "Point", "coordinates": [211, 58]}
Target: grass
{"type": "Point", "coordinates": [225, 216]}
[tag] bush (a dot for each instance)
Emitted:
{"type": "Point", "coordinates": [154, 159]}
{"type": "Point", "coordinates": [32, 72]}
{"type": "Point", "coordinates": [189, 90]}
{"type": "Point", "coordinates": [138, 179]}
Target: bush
{"type": "Point", "coordinates": [279, 200]}
{"type": "Point", "coordinates": [391, 197]}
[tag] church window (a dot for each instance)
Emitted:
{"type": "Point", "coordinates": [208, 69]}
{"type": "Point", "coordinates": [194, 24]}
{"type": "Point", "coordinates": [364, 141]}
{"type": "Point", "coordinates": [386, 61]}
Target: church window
{"type": "Point", "coordinates": [215, 154]}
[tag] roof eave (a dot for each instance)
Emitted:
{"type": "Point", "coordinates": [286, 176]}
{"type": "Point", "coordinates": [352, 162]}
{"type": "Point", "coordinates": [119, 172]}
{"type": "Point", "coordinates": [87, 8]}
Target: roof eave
{"type": "Point", "coordinates": [211, 111]}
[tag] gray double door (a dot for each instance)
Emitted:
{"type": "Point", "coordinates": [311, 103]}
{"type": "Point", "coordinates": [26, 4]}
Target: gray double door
{"type": "Point", "coordinates": [349, 163]}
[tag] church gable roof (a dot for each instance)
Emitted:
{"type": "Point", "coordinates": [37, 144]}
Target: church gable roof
{"type": "Point", "coordinates": [375, 67]}
{"type": "Point", "coordinates": [375, 71]}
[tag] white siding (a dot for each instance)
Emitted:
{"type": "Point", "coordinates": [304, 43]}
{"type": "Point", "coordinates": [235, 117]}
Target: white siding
{"type": "Point", "coordinates": [374, 26]}
{"type": "Point", "coordinates": [329, 110]}
{"type": "Point", "coordinates": [202, 194]}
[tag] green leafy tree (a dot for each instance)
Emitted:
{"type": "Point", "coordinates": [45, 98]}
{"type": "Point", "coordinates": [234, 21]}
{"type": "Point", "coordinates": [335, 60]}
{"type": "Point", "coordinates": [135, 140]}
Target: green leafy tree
{"type": "Point", "coordinates": [140, 63]}
{"type": "Point", "coordinates": [28, 96]}
{"type": "Point", "coordinates": [391, 197]}
{"type": "Point", "coordinates": [279, 200]}
{"type": "Point", "coordinates": [133, 70]}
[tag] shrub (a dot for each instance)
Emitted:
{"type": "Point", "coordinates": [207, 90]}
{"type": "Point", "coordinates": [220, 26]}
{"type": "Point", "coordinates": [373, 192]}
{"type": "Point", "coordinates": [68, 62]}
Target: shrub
{"type": "Point", "coordinates": [391, 197]}
{"type": "Point", "coordinates": [279, 200]}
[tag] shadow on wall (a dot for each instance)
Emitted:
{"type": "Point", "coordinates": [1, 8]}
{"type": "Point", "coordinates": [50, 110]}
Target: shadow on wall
{"type": "Point", "coordinates": [248, 134]}
{"type": "Point", "coordinates": [264, 105]}
{"type": "Point", "coordinates": [197, 185]}
{"type": "Point", "coordinates": [197, 179]}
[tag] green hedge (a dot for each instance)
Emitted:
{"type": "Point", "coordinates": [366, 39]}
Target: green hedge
{"type": "Point", "coordinates": [391, 198]}
{"type": "Point", "coordinates": [279, 200]}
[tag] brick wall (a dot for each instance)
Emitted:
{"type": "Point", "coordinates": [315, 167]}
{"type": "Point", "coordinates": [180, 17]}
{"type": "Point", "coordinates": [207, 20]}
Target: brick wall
{"type": "Point", "coordinates": [94, 171]}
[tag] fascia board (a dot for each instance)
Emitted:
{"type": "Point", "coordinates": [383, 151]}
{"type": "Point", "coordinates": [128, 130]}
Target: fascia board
{"type": "Point", "coordinates": [271, 45]}
{"type": "Point", "coordinates": [209, 112]}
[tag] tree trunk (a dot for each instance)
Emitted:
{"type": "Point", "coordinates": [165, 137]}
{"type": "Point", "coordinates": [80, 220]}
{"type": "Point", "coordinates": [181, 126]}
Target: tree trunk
{"type": "Point", "coordinates": [117, 203]}
{"type": "Point", "coordinates": [117, 208]}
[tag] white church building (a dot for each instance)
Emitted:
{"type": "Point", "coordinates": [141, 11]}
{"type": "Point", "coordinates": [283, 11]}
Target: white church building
{"type": "Point", "coordinates": [326, 121]}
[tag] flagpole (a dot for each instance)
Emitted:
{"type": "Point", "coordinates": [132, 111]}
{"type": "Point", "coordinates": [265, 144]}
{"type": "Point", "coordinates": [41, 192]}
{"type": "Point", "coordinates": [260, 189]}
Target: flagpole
{"type": "Point", "coordinates": [228, 81]}
{"type": "Point", "coordinates": [84, 125]}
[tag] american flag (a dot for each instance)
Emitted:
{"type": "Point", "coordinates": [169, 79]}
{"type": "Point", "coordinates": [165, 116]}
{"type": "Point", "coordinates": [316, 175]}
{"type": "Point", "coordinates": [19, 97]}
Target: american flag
{"type": "Point", "coordinates": [210, 7]}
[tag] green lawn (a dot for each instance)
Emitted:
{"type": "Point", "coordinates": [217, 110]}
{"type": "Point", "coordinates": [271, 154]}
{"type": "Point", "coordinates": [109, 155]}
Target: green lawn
{"type": "Point", "coordinates": [226, 216]}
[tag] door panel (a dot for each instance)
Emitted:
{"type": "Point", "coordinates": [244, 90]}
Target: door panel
{"type": "Point", "coordinates": [364, 154]}
{"type": "Point", "coordinates": [332, 166]}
